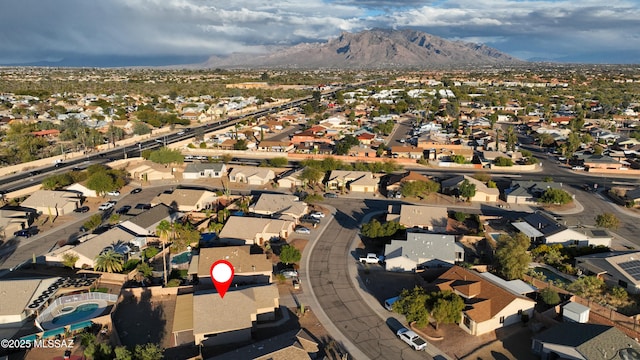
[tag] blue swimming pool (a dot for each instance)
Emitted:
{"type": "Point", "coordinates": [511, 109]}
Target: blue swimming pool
{"type": "Point", "coordinates": [79, 313]}
{"type": "Point", "coordinates": [550, 275]}
{"type": "Point", "coordinates": [181, 258]}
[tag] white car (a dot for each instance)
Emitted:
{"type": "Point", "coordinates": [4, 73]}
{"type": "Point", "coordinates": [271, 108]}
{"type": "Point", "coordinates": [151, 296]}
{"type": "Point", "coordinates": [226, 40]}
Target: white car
{"type": "Point", "coordinates": [303, 230]}
{"type": "Point", "coordinates": [114, 193]}
{"type": "Point", "coordinates": [317, 214]}
{"type": "Point", "coordinates": [577, 168]}
{"type": "Point", "coordinates": [106, 206]}
{"type": "Point", "coordinates": [412, 339]}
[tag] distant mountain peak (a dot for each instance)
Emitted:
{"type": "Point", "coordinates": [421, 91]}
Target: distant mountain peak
{"type": "Point", "coordinates": [375, 48]}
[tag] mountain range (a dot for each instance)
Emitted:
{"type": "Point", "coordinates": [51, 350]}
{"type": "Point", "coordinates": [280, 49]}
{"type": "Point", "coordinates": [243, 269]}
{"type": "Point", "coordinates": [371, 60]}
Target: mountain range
{"type": "Point", "coordinates": [370, 49]}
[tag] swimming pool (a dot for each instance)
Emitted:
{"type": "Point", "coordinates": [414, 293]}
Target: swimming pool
{"type": "Point", "coordinates": [74, 314]}
{"type": "Point", "coordinates": [181, 258]}
{"type": "Point", "coordinates": [552, 276]}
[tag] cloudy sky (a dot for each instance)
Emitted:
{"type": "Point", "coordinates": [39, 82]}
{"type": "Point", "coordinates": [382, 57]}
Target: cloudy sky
{"type": "Point", "coordinates": [172, 31]}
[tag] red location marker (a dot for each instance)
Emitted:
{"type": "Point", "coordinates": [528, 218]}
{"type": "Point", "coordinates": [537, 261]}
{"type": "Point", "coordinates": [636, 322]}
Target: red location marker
{"type": "Point", "coordinates": [222, 276]}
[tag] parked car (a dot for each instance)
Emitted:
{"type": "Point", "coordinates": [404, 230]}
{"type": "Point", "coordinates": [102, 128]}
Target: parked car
{"type": "Point", "coordinates": [303, 230]}
{"type": "Point", "coordinates": [81, 209]}
{"type": "Point", "coordinates": [330, 195]}
{"type": "Point", "coordinates": [28, 232]}
{"type": "Point", "coordinates": [316, 214]}
{"type": "Point", "coordinates": [289, 273]}
{"type": "Point", "coordinates": [310, 220]}
{"type": "Point", "coordinates": [388, 304]}
{"type": "Point", "coordinates": [136, 190]}
{"type": "Point", "coordinates": [123, 210]}
{"type": "Point", "coordinates": [143, 206]}
{"type": "Point", "coordinates": [578, 167]}
{"type": "Point", "coordinates": [106, 206]}
{"type": "Point", "coordinates": [114, 193]}
{"type": "Point", "coordinates": [412, 339]}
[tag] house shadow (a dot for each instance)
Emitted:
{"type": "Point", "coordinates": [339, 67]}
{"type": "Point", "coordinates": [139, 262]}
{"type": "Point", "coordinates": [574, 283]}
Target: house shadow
{"type": "Point", "coordinates": [140, 320]}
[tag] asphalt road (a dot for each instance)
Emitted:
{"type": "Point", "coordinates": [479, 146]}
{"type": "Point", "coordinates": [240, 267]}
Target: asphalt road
{"type": "Point", "coordinates": [336, 291]}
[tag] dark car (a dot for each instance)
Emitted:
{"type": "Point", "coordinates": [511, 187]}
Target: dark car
{"type": "Point", "coordinates": [28, 232]}
{"type": "Point", "coordinates": [123, 210]}
{"type": "Point", "coordinates": [81, 209]}
{"type": "Point", "coordinates": [309, 220]}
{"type": "Point", "coordinates": [102, 229]}
{"type": "Point", "coordinates": [136, 190]}
{"type": "Point", "coordinates": [330, 195]}
{"type": "Point", "coordinates": [57, 165]}
{"type": "Point", "coordinates": [143, 206]}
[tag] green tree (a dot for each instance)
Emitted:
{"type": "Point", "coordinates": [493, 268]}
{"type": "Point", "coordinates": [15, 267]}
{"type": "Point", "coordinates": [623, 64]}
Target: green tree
{"type": "Point", "coordinates": [460, 216]}
{"type": "Point", "coordinates": [101, 182]}
{"type": "Point", "coordinates": [141, 128]}
{"type": "Point", "coordinates": [122, 353]}
{"type": "Point", "coordinates": [311, 175]}
{"type": "Point", "coordinates": [619, 294]}
{"type": "Point", "coordinates": [148, 351]}
{"type": "Point", "coordinates": [413, 305]}
{"type": "Point", "coordinates": [587, 286]}
{"type": "Point", "coordinates": [57, 181]}
{"type": "Point", "coordinates": [345, 144]}
{"type": "Point", "coordinates": [555, 196]}
{"type": "Point", "coordinates": [512, 257]}
{"type": "Point", "coordinates": [550, 296]}
{"type": "Point", "coordinates": [109, 261]}
{"type": "Point", "coordinates": [467, 190]}
{"type": "Point", "coordinates": [418, 188]}
{"type": "Point", "coordinates": [278, 162]}
{"type": "Point", "coordinates": [93, 222]}
{"type": "Point", "coordinates": [445, 307]}
{"type": "Point", "coordinates": [503, 161]}
{"type": "Point", "coordinates": [607, 221]}
{"type": "Point", "coordinates": [166, 156]}
{"type": "Point", "coordinates": [289, 255]}
{"type": "Point", "coordinates": [458, 159]}
{"type": "Point", "coordinates": [69, 259]}
{"type": "Point", "coordinates": [374, 229]}
{"type": "Point", "coordinates": [241, 144]}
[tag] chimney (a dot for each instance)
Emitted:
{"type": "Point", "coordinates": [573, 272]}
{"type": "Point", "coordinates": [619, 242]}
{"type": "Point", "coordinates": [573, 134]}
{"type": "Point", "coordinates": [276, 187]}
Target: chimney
{"type": "Point", "coordinates": [539, 225]}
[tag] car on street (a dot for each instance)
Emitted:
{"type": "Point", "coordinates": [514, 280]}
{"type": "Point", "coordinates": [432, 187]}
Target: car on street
{"type": "Point", "coordinates": [180, 132]}
{"type": "Point", "coordinates": [388, 304]}
{"type": "Point", "coordinates": [411, 338]}
{"type": "Point", "coordinates": [330, 195]}
{"type": "Point", "coordinates": [114, 193]}
{"type": "Point", "coordinates": [123, 210]}
{"type": "Point", "coordinates": [136, 190]}
{"type": "Point", "coordinates": [28, 232]}
{"type": "Point", "coordinates": [579, 168]}
{"type": "Point", "coordinates": [81, 209]}
{"type": "Point", "coordinates": [106, 206]}
{"type": "Point", "coordinates": [302, 230]}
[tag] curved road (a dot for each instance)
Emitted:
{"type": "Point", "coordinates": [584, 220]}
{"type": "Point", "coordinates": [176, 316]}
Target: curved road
{"type": "Point", "coordinates": [336, 291]}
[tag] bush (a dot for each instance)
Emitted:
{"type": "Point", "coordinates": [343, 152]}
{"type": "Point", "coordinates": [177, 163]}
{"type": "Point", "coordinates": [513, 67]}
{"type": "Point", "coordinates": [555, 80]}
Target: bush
{"type": "Point", "coordinates": [550, 296]}
{"type": "Point", "coordinates": [555, 196]}
{"type": "Point", "coordinates": [460, 216]}
{"type": "Point", "coordinates": [94, 221]}
{"type": "Point", "coordinates": [150, 252]}
{"type": "Point", "coordinates": [130, 265]}
{"type": "Point", "coordinates": [173, 283]}
{"type": "Point", "coordinates": [503, 161]}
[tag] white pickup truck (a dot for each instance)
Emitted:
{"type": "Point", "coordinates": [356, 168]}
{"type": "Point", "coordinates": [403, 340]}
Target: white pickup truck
{"type": "Point", "coordinates": [412, 339]}
{"type": "Point", "coordinates": [371, 258]}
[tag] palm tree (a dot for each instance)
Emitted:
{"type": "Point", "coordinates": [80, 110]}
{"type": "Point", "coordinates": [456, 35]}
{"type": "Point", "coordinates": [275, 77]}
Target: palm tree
{"type": "Point", "coordinates": [109, 261]}
{"type": "Point", "coordinates": [164, 230]}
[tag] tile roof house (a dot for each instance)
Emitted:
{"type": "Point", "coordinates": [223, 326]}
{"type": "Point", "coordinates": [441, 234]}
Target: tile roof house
{"type": "Point", "coordinates": [430, 218]}
{"type": "Point", "coordinates": [541, 228]}
{"type": "Point", "coordinates": [483, 193]}
{"type": "Point", "coordinates": [228, 320]}
{"type": "Point", "coordinates": [251, 175]}
{"type": "Point", "coordinates": [145, 223]}
{"type": "Point", "coordinates": [572, 340]}
{"type": "Point", "coordinates": [616, 268]}
{"type": "Point", "coordinates": [394, 182]}
{"type": "Point", "coordinates": [279, 206]}
{"type": "Point", "coordinates": [422, 250]}
{"type": "Point", "coordinates": [204, 170]}
{"type": "Point", "coordinates": [186, 199]}
{"type": "Point", "coordinates": [489, 306]}
{"type": "Point", "coordinates": [89, 249]}
{"type": "Point", "coordinates": [528, 192]}
{"type": "Point", "coordinates": [292, 345]}
{"type": "Point", "coordinates": [52, 202]}
{"type": "Point", "coordinates": [343, 179]}
{"type": "Point", "coordinates": [241, 230]}
{"type": "Point", "coordinates": [248, 268]}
